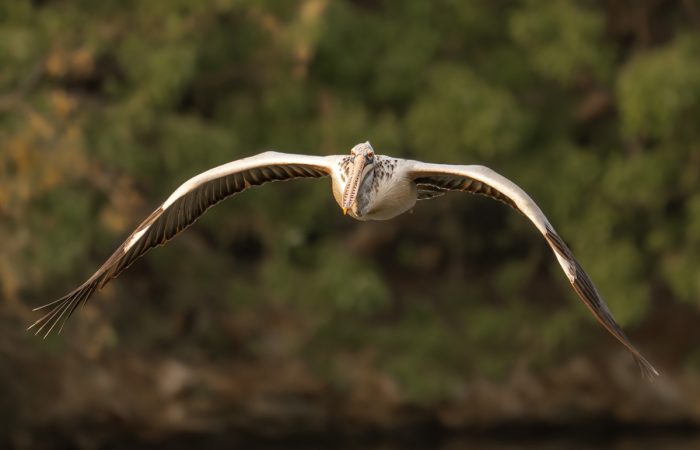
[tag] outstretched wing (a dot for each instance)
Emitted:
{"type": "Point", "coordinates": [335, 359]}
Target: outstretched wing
{"type": "Point", "coordinates": [439, 178]}
{"type": "Point", "coordinates": [180, 211]}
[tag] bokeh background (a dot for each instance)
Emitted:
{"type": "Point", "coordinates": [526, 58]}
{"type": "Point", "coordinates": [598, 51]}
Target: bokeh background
{"type": "Point", "coordinates": [275, 316]}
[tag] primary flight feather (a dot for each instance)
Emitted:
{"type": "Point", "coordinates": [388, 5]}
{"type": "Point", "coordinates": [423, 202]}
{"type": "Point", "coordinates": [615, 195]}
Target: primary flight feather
{"type": "Point", "coordinates": [365, 185]}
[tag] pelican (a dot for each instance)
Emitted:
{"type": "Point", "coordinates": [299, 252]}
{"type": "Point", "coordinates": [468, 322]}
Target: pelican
{"type": "Point", "coordinates": [365, 185]}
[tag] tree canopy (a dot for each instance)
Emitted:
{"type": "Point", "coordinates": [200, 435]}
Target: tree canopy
{"type": "Point", "coordinates": [590, 106]}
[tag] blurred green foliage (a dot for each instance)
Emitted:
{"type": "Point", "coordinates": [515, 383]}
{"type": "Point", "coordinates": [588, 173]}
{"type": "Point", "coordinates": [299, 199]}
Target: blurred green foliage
{"type": "Point", "coordinates": [105, 107]}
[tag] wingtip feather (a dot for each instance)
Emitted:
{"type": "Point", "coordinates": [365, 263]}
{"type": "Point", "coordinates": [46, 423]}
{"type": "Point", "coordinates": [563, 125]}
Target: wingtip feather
{"type": "Point", "coordinates": [648, 370]}
{"type": "Point", "coordinates": [59, 308]}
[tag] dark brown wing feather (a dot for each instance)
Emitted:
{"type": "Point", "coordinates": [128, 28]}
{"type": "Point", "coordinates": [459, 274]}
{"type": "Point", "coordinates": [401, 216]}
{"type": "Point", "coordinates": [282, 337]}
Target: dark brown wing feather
{"type": "Point", "coordinates": [586, 290]}
{"type": "Point", "coordinates": [445, 183]}
{"type": "Point", "coordinates": [429, 191]}
{"type": "Point", "coordinates": [162, 225]}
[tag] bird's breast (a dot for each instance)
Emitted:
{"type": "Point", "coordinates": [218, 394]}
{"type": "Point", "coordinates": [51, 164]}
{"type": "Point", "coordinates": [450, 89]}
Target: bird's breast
{"type": "Point", "coordinates": [391, 197]}
{"type": "Point", "coordinates": [389, 193]}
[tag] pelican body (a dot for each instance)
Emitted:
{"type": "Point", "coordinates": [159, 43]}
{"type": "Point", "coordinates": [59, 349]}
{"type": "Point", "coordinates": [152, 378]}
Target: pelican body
{"type": "Point", "coordinates": [373, 187]}
{"type": "Point", "coordinates": [366, 186]}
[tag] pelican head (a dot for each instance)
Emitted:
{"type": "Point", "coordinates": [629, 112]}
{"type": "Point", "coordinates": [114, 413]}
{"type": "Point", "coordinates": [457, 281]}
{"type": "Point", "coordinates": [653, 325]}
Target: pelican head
{"type": "Point", "coordinates": [361, 169]}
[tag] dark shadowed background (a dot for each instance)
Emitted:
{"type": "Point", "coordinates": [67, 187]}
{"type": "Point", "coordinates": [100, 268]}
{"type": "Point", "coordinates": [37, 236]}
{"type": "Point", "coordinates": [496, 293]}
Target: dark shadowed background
{"type": "Point", "coordinates": [275, 317]}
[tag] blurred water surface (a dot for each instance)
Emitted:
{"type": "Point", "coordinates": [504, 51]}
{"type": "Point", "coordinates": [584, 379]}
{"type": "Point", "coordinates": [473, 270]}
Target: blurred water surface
{"type": "Point", "coordinates": [574, 441]}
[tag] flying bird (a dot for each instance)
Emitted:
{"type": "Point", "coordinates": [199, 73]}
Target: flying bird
{"type": "Point", "coordinates": [365, 185]}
